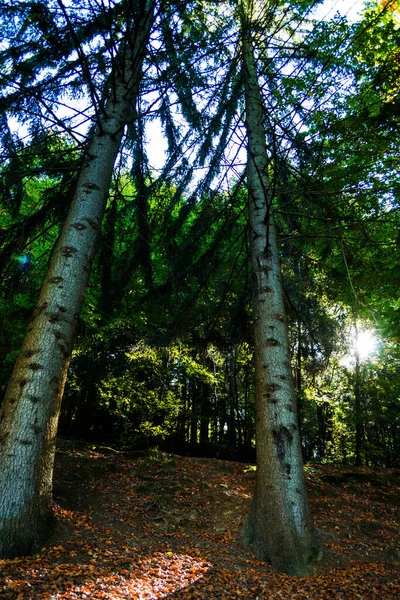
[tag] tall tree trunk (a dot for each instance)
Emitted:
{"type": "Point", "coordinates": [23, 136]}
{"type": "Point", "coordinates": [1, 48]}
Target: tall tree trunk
{"type": "Point", "coordinates": [205, 413]}
{"type": "Point", "coordinates": [179, 437]}
{"type": "Point", "coordinates": [322, 429]}
{"type": "Point", "coordinates": [204, 399]}
{"type": "Point", "coordinates": [142, 210]}
{"type": "Point", "coordinates": [106, 260]}
{"type": "Point", "coordinates": [194, 413]}
{"type": "Point", "coordinates": [235, 395]}
{"type": "Point", "coordinates": [247, 434]}
{"type": "Point", "coordinates": [279, 527]}
{"type": "Point", "coordinates": [231, 391]}
{"type": "Point", "coordinates": [215, 408]}
{"type": "Point", "coordinates": [357, 402]}
{"type": "Point", "coordinates": [299, 381]}
{"type": "Point", "coordinates": [30, 411]}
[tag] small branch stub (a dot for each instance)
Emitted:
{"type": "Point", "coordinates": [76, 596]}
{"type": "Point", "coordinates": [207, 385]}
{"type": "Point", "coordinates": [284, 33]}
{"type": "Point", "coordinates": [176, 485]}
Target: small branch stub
{"type": "Point", "coordinates": [54, 318]}
{"type": "Point", "coordinates": [79, 226]}
{"type": "Point", "coordinates": [68, 250]}
{"type": "Point", "coordinates": [34, 399]}
{"type": "Point", "coordinates": [91, 222]}
{"type": "Point", "coordinates": [274, 387]}
{"type": "Point", "coordinates": [271, 342]}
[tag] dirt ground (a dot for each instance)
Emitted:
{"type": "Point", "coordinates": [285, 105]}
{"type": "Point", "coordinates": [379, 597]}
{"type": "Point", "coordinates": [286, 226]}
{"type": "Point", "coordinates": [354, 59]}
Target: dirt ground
{"type": "Point", "coordinates": [165, 526]}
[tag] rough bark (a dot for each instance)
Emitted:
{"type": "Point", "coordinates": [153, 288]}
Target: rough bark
{"type": "Point", "coordinates": [30, 411]}
{"type": "Point", "coordinates": [279, 527]}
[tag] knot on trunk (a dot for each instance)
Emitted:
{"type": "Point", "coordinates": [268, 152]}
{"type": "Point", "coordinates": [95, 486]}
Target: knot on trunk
{"type": "Point", "coordinates": [35, 366]}
{"type": "Point", "coordinates": [68, 250]}
{"type": "Point", "coordinates": [89, 187]}
{"type": "Point", "coordinates": [78, 226]}
{"type": "Point", "coordinates": [271, 342]}
{"type": "Point", "coordinates": [283, 438]}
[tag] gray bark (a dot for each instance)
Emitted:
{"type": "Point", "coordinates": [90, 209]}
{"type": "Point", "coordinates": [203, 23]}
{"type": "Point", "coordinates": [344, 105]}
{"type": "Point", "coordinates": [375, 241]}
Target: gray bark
{"type": "Point", "coordinates": [279, 527]}
{"type": "Point", "coordinates": [30, 411]}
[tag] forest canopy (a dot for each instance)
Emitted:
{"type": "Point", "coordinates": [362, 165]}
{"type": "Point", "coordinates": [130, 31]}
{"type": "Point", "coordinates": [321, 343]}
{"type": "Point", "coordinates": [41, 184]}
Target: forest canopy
{"type": "Point", "coordinates": [164, 347]}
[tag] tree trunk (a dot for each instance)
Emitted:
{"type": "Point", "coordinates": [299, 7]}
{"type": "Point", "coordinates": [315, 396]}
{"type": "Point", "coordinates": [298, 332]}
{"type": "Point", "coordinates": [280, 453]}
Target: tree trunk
{"type": "Point", "coordinates": [205, 414]}
{"type": "Point", "coordinates": [357, 401]}
{"type": "Point", "coordinates": [181, 418]}
{"type": "Point", "coordinates": [194, 413]}
{"type": "Point", "coordinates": [299, 381]}
{"type": "Point", "coordinates": [215, 408]}
{"type": "Point", "coordinates": [231, 390]}
{"type": "Point", "coordinates": [29, 415]}
{"type": "Point", "coordinates": [204, 396]}
{"type": "Point", "coordinates": [106, 260]}
{"type": "Point", "coordinates": [323, 427]}
{"type": "Point", "coordinates": [279, 527]}
{"type": "Point", "coordinates": [247, 434]}
{"type": "Point", "coordinates": [235, 396]}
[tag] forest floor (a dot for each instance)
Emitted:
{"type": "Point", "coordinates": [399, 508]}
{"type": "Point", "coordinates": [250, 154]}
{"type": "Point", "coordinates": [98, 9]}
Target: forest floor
{"type": "Point", "coordinates": [165, 526]}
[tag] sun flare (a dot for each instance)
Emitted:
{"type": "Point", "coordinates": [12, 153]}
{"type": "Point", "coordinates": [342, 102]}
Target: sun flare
{"type": "Point", "coordinates": [365, 343]}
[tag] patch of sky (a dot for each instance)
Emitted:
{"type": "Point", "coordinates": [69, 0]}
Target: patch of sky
{"type": "Point", "coordinates": [351, 9]}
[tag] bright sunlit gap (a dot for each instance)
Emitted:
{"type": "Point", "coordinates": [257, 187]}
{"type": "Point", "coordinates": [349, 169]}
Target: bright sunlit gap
{"type": "Point", "coordinates": [365, 343]}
